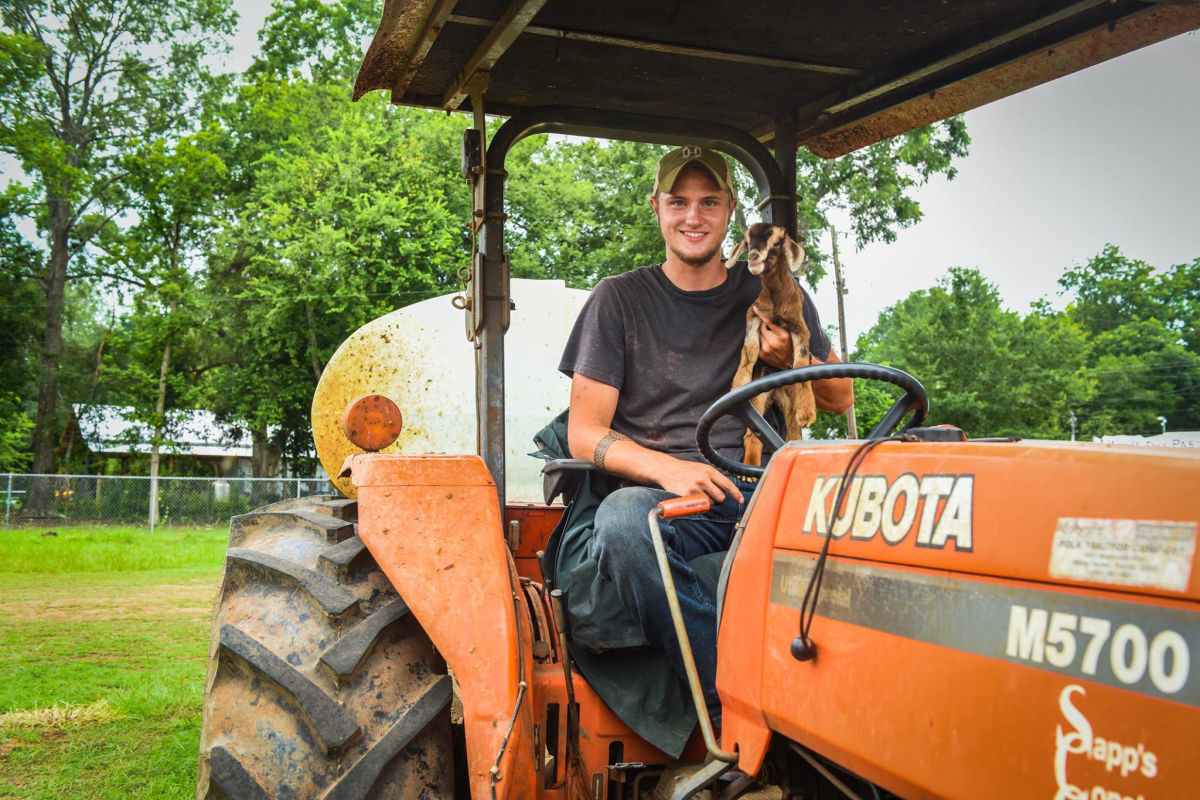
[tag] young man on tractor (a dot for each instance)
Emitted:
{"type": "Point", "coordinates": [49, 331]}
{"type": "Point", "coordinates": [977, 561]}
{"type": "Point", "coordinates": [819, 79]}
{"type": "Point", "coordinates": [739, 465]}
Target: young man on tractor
{"type": "Point", "coordinates": [650, 351]}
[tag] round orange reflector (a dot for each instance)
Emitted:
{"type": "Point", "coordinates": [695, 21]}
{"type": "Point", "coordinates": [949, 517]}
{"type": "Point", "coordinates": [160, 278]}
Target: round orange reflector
{"type": "Point", "coordinates": [372, 422]}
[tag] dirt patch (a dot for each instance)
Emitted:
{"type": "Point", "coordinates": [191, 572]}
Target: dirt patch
{"type": "Point", "coordinates": [115, 603]}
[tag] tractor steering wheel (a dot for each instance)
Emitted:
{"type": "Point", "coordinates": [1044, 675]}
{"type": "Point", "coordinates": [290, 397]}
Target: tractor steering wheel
{"type": "Point", "coordinates": [737, 403]}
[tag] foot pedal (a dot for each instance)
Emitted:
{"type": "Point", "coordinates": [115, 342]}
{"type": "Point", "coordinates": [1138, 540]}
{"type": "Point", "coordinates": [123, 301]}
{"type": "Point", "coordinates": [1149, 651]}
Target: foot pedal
{"type": "Point", "coordinates": [683, 781]}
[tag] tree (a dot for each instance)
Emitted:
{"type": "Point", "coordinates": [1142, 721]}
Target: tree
{"type": "Point", "coordinates": [1144, 325]}
{"type": "Point", "coordinates": [315, 40]}
{"type": "Point", "coordinates": [338, 213]}
{"type": "Point", "coordinates": [986, 370]}
{"type": "Point", "coordinates": [18, 339]}
{"type": "Point", "coordinates": [81, 81]}
{"type": "Point", "coordinates": [175, 188]}
{"type": "Point", "coordinates": [874, 185]}
{"type": "Point", "coordinates": [579, 210]}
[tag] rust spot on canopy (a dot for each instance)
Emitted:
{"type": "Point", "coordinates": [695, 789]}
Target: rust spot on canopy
{"type": "Point", "coordinates": [372, 422]}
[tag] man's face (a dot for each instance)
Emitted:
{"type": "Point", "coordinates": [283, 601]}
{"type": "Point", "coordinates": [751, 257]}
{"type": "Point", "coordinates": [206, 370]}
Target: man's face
{"type": "Point", "coordinates": [694, 216]}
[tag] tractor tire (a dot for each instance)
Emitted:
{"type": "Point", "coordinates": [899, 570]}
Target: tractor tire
{"type": "Point", "coordinates": [321, 685]}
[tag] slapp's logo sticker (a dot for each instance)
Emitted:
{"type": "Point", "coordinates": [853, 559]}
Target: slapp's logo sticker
{"type": "Point", "coordinates": [933, 510]}
{"type": "Point", "coordinates": [1077, 744]}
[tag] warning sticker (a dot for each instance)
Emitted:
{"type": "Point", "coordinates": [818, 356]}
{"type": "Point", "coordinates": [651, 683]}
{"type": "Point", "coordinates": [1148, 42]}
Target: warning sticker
{"type": "Point", "coordinates": [1125, 552]}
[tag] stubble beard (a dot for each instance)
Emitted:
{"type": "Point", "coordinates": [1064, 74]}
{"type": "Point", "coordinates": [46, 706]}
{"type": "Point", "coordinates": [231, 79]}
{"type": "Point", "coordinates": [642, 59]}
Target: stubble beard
{"type": "Point", "coordinates": [698, 261]}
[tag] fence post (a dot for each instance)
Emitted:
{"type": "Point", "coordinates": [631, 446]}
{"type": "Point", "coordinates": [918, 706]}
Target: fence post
{"type": "Point", "coordinates": [7, 502]}
{"type": "Point", "coordinates": [153, 504]}
{"type": "Point", "coordinates": [297, 488]}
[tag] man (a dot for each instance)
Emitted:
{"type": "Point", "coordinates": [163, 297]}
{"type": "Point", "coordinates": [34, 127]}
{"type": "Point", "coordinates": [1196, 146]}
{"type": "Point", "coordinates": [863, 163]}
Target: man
{"type": "Point", "coordinates": [651, 350]}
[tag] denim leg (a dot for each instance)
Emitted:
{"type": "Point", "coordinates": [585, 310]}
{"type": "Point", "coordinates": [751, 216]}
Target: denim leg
{"type": "Point", "coordinates": [625, 555]}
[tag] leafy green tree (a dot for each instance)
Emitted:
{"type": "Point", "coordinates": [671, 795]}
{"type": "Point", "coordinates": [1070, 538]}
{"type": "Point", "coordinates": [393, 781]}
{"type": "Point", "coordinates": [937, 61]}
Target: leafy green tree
{"type": "Point", "coordinates": [580, 210]}
{"type": "Point", "coordinates": [1143, 324]}
{"type": "Point", "coordinates": [874, 185]}
{"type": "Point", "coordinates": [986, 370]}
{"type": "Point", "coordinates": [175, 187]}
{"type": "Point", "coordinates": [338, 213]}
{"type": "Point", "coordinates": [15, 427]}
{"type": "Point", "coordinates": [315, 40]}
{"type": "Point", "coordinates": [19, 322]}
{"type": "Point", "coordinates": [1142, 373]}
{"type": "Point", "coordinates": [81, 81]}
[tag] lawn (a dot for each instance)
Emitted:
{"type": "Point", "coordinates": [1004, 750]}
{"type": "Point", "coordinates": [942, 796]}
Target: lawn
{"type": "Point", "coordinates": [103, 638]}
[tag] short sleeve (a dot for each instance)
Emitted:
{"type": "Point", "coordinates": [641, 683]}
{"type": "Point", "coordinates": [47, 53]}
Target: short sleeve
{"type": "Point", "coordinates": [818, 343]}
{"type": "Point", "coordinates": [596, 346]}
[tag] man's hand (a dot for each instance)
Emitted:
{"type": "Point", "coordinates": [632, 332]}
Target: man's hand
{"type": "Point", "coordinates": [835, 395]}
{"type": "Point", "coordinates": [590, 436]}
{"type": "Point", "coordinates": [691, 477]}
{"type": "Point", "coordinates": [774, 342]}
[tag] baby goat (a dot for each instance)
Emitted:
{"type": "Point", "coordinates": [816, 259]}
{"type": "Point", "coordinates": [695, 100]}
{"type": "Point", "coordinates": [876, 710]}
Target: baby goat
{"type": "Point", "coordinates": [775, 257]}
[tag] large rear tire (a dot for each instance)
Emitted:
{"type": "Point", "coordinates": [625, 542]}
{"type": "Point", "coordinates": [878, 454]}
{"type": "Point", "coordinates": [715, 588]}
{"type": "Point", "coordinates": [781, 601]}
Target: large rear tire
{"type": "Point", "coordinates": [320, 682]}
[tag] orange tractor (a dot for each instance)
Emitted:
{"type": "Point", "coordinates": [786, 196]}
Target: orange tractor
{"type": "Point", "coordinates": [913, 614]}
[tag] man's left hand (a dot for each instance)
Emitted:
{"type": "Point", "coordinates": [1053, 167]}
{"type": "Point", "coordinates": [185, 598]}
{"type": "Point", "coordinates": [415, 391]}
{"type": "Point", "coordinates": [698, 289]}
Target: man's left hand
{"type": "Point", "coordinates": [774, 342]}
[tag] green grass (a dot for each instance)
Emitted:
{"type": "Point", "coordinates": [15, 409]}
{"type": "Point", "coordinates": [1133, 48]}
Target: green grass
{"type": "Point", "coordinates": [103, 640]}
{"type": "Point", "coordinates": [115, 549]}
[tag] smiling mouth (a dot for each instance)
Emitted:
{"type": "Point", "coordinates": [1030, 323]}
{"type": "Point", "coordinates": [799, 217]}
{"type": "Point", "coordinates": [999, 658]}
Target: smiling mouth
{"type": "Point", "coordinates": [694, 236]}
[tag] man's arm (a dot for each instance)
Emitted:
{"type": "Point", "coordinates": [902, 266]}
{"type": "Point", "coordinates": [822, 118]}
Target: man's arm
{"type": "Point", "coordinates": [835, 395]}
{"type": "Point", "coordinates": [590, 436]}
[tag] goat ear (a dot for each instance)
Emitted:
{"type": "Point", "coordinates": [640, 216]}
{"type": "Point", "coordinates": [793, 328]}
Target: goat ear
{"type": "Point", "coordinates": [733, 257]}
{"type": "Point", "coordinates": [795, 254]}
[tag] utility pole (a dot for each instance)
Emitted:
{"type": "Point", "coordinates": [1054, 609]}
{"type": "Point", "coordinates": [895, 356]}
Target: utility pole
{"type": "Point", "coordinates": [851, 422]}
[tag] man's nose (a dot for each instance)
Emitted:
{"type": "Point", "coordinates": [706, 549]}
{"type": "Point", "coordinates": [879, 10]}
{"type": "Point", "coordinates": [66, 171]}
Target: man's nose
{"type": "Point", "coordinates": [693, 212]}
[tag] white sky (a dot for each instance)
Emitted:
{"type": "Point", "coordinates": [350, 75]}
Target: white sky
{"type": "Point", "coordinates": [1108, 154]}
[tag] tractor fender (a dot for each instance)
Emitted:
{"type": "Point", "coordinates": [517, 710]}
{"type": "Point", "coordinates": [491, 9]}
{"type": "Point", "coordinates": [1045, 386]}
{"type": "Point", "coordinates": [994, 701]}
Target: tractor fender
{"type": "Point", "coordinates": [434, 526]}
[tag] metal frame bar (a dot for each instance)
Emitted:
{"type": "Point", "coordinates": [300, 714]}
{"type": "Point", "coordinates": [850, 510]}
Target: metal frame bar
{"type": "Point", "coordinates": [506, 30]}
{"type": "Point", "coordinates": [491, 271]}
{"type": "Point", "coordinates": [664, 47]}
{"type": "Point", "coordinates": [685, 645]}
{"type": "Point", "coordinates": [821, 106]}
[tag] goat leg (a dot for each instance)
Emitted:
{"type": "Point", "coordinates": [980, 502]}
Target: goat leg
{"type": "Point", "coordinates": [745, 370]}
{"type": "Point", "coordinates": [751, 444]}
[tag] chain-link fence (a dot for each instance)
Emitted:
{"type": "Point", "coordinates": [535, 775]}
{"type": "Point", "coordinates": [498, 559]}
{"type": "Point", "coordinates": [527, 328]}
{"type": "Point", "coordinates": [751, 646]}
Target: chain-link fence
{"type": "Point", "coordinates": [40, 499]}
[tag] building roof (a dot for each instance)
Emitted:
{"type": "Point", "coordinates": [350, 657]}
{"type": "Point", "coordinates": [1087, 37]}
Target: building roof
{"type": "Point", "coordinates": [190, 432]}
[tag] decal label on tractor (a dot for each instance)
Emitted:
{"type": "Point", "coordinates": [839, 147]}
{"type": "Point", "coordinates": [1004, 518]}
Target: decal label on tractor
{"type": "Point", "coordinates": [1124, 552]}
{"type": "Point", "coordinates": [1132, 646]}
{"type": "Point", "coordinates": [1122, 761]}
{"type": "Point", "coordinates": [1078, 644]}
{"type": "Point", "coordinates": [930, 510]}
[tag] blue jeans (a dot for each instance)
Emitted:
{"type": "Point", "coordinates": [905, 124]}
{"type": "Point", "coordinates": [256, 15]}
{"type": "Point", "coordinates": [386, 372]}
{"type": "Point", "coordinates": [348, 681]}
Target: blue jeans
{"type": "Point", "coordinates": [624, 554]}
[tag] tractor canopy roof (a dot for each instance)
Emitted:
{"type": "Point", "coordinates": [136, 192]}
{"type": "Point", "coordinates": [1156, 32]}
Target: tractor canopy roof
{"type": "Point", "coordinates": [847, 73]}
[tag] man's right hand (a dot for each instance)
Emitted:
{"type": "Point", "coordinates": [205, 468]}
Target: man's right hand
{"type": "Point", "coordinates": [592, 407]}
{"type": "Point", "coordinates": [691, 477]}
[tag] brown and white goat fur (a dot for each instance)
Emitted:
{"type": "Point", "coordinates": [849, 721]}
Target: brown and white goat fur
{"type": "Point", "coordinates": [775, 257]}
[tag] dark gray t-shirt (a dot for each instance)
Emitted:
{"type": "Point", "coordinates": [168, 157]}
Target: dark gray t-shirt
{"type": "Point", "coordinates": [670, 353]}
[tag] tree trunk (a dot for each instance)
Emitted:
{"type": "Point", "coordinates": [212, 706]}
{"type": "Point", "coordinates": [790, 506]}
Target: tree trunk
{"type": "Point", "coordinates": [45, 429]}
{"type": "Point", "coordinates": [317, 367]}
{"type": "Point", "coordinates": [160, 407]}
{"type": "Point", "coordinates": [264, 459]}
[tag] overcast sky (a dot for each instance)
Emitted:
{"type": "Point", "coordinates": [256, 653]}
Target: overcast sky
{"type": "Point", "coordinates": [1109, 154]}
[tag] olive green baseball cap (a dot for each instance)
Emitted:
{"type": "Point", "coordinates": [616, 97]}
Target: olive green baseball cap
{"type": "Point", "coordinates": [692, 154]}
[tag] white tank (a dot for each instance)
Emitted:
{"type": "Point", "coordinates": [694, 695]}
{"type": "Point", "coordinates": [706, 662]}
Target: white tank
{"type": "Point", "coordinates": [420, 358]}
